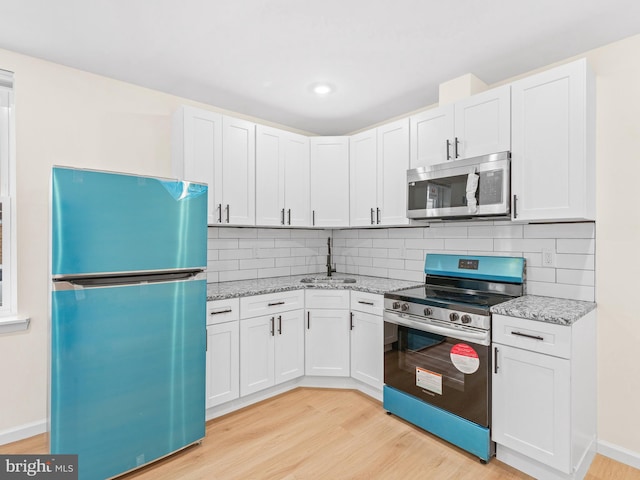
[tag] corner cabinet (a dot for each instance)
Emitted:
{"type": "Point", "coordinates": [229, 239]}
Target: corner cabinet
{"type": "Point", "coordinates": [329, 186]}
{"type": "Point", "coordinates": [544, 396]}
{"type": "Point", "coordinates": [379, 159]}
{"type": "Point", "coordinates": [553, 137]}
{"type": "Point", "coordinates": [474, 126]}
{"type": "Point", "coordinates": [218, 150]}
{"type": "Point", "coordinates": [282, 178]}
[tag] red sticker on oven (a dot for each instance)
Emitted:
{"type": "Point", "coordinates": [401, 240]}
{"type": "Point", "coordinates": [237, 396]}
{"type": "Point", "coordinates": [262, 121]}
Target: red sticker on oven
{"type": "Point", "coordinates": [464, 358]}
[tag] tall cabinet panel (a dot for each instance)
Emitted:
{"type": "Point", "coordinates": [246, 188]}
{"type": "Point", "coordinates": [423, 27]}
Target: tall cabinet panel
{"type": "Point", "coordinates": [363, 161]}
{"type": "Point", "coordinates": [553, 156]}
{"type": "Point", "coordinates": [238, 172]}
{"type": "Point", "coordinates": [330, 181]}
{"type": "Point", "coordinates": [296, 180]}
{"type": "Point", "coordinates": [196, 146]}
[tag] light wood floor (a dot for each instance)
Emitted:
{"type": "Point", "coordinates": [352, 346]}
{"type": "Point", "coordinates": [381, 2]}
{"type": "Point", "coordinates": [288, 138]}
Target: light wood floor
{"type": "Point", "coordinates": [324, 434]}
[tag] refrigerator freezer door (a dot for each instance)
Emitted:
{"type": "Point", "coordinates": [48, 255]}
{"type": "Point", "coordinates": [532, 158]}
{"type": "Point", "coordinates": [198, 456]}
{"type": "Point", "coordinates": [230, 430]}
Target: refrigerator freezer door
{"type": "Point", "coordinates": [118, 223]}
{"type": "Point", "coordinates": [128, 373]}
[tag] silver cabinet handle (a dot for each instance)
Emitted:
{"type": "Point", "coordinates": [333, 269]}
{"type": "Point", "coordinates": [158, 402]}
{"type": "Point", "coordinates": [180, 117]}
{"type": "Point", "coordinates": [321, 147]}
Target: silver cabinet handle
{"type": "Point", "coordinates": [279, 324]}
{"type": "Point", "coordinates": [273, 320]}
{"type": "Point", "coordinates": [351, 321]}
{"type": "Point", "coordinates": [448, 149]}
{"type": "Point", "coordinates": [495, 359]}
{"type": "Point", "coordinates": [526, 335]}
{"type": "Point", "coordinates": [308, 320]}
{"type": "Point", "coordinates": [227, 209]}
{"type": "Point", "coordinates": [313, 217]}
{"type": "Point", "coordinates": [219, 213]}
{"type": "Point", "coordinates": [220, 311]}
{"type": "Point", "coordinates": [377, 215]}
{"type": "Point", "coordinates": [273, 304]}
{"type": "Point", "coordinates": [455, 146]}
{"type": "Point", "coordinates": [372, 219]}
{"type": "Point", "coordinates": [515, 206]}
{"type": "Point", "coordinates": [289, 214]}
{"type": "Point", "coordinates": [365, 303]}
{"type": "Point", "coordinates": [282, 217]}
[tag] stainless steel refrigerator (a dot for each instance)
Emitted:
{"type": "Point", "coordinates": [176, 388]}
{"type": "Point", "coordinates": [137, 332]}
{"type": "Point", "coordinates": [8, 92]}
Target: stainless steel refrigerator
{"type": "Point", "coordinates": [128, 318]}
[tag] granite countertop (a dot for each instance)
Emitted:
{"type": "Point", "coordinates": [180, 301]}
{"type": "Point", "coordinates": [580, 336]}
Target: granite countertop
{"type": "Point", "coordinates": [243, 288]}
{"type": "Point", "coordinates": [545, 309]}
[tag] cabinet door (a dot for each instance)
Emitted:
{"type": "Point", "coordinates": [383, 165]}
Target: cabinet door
{"type": "Point", "coordinates": [431, 136]}
{"type": "Point", "coordinates": [367, 358]}
{"type": "Point", "coordinates": [330, 181]}
{"type": "Point", "coordinates": [256, 354]}
{"type": "Point", "coordinates": [363, 182]}
{"type": "Point", "coordinates": [238, 171]}
{"type": "Point", "coordinates": [531, 401]}
{"type": "Point", "coordinates": [327, 343]}
{"type": "Point", "coordinates": [296, 180]}
{"type": "Point", "coordinates": [269, 176]}
{"type": "Point", "coordinates": [223, 363]}
{"type": "Point", "coordinates": [483, 123]}
{"type": "Point", "coordinates": [196, 146]}
{"type": "Point", "coordinates": [393, 162]}
{"type": "Point", "coordinates": [289, 346]}
{"type": "Point", "coordinates": [552, 167]}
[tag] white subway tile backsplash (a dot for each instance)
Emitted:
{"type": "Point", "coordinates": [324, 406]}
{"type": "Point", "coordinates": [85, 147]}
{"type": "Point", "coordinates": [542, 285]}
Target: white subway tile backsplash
{"type": "Point", "coordinates": [576, 261]}
{"type": "Point", "coordinates": [274, 233]}
{"type": "Point", "coordinates": [576, 277]}
{"type": "Point", "coordinates": [233, 254]}
{"type": "Point", "coordinates": [273, 252]}
{"type": "Point", "coordinates": [374, 233]}
{"type": "Point", "coordinates": [425, 243]}
{"type": "Point", "coordinates": [229, 232]}
{"type": "Point", "coordinates": [237, 275]}
{"type": "Point", "coordinates": [373, 252]}
{"type": "Point", "coordinates": [216, 244]}
{"type": "Point", "coordinates": [563, 230]}
{"type": "Point", "coordinates": [388, 263]}
{"type": "Point", "coordinates": [256, 243]}
{"type": "Point", "coordinates": [523, 245]}
{"type": "Point", "coordinates": [222, 265]}
{"type": "Point", "coordinates": [388, 243]}
{"type": "Point", "coordinates": [559, 290]}
{"type": "Point", "coordinates": [508, 231]}
{"type": "Point", "coordinates": [359, 242]}
{"type": "Point", "coordinates": [446, 232]}
{"type": "Point", "coordinates": [539, 274]}
{"type": "Point", "coordinates": [255, 263]}
{"type": "Point", "coordinates": [274, 272]}
{"type": "Point", "coordinates": [479, 244]}
{"type": "Point", "coordinates": [577, 246]}
{"type": "Point", "coordinates": [483, 231]}
{"type": "Point", "coordinates": [405, 233]}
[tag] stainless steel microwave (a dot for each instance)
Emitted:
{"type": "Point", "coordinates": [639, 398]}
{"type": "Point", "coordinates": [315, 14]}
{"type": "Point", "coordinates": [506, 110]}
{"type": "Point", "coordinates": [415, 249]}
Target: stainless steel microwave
{"type": "Point", "coordinates": [474, 187]}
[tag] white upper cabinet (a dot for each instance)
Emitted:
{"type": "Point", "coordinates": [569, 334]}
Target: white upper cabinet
{"type": "Point", "coordinates": [196, 144]}
{"type": "Point", "coordinates": [478, 125]}
{"type": "Point", "coordinates": [553, 155]}
{"type": "Point", "coordinates": [237, 201]}
{"type": "Point", "coordinates": [282, 178]}
{"type": "Point", "coordinates": [330, 181]}
{"type": "Point", "coordinates": [379, 159]}
{"type": "Point", "coordinates": [393, 162]}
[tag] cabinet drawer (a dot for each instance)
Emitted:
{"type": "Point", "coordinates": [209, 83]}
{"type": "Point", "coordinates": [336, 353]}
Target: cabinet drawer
{"type": "Point", "coordinates": [327, 299]}
{"type": "Point", "coordinates": [220, 311]}
{"type": "Point", "coordinates": [547, 338]}
{"type": "Point", "coordinates": [270, 303]}
{"type": "Point", "coordinates": [367, 302]}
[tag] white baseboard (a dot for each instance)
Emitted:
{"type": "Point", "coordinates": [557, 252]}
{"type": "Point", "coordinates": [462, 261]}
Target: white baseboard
{"type": "Point", "coordinates": [23, 431]}
{"type": "Point", "coordinates": [620, 454]}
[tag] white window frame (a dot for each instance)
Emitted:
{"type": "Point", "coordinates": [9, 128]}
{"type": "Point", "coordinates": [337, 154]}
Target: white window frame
{"type": "Point", "coordinates": [9, 318]}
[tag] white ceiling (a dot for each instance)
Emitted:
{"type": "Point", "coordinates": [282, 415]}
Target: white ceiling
{"type": "Point", "coordinates": [259, 57]}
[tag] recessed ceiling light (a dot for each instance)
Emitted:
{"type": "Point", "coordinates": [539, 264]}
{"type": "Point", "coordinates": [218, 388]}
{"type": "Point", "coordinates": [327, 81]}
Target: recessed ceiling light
{"type": "Point", "coordinates": [322, 89]}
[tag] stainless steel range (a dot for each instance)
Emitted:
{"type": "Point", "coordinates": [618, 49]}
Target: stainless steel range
{"type": "Point", "coordinates": [437, 360]}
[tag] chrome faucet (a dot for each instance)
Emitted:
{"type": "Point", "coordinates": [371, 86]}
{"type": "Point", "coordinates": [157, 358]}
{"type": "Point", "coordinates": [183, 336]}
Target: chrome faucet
{"type": "Point", "coordinates": [330, 269]}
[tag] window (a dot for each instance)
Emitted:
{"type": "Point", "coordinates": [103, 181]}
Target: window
{"type": "Point", "coordinates": [7, 207]}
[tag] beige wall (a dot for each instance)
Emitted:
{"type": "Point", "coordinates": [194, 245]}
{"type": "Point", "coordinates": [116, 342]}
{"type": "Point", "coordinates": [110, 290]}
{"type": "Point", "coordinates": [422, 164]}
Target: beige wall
{"type": "Point", "coordinates": [73, 118]}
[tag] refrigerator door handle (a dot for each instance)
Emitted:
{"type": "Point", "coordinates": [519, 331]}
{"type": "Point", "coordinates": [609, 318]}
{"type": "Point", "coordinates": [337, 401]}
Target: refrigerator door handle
{"type": "Point", "coordinates": [75, 283]}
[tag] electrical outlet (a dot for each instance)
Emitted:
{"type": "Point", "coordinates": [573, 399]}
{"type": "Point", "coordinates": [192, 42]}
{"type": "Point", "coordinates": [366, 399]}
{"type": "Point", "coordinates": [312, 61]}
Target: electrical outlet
{"type": "Point", "coordinates": [548, 257]}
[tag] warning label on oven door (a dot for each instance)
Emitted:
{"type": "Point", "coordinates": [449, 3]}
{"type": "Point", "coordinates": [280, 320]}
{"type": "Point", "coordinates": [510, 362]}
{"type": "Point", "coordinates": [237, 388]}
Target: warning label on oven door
{"type": "Point", "coordinates": [429, 380]}
{"type": "Point", "coordinates": [465, 358]}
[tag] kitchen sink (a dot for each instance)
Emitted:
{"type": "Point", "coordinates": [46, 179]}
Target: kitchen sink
{"type": "Point", "coordinates": [327, 280]}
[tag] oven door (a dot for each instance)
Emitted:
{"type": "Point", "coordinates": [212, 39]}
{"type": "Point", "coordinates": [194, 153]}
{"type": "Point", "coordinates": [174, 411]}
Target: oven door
{"type": "Point", "coordinates": [446, 190]}
{"type": "Point", "coordinates": [441, 366]}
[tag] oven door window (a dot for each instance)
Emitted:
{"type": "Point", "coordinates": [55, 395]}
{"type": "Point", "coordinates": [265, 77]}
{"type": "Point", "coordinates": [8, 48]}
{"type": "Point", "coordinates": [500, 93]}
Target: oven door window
{"type": "Point", "coordinates": [443, 371]}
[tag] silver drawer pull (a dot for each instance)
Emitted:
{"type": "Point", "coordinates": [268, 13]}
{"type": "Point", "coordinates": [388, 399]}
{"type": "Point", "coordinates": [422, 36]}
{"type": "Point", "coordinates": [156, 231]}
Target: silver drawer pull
{"type": "Point", "coordinates": [220, 311]}
{"type": "Point", "coordinates": [365, 303]}
{"type": "Point", "coordinates": [520, 334]}
{"type": "Point", "coordinates": [275, 303]}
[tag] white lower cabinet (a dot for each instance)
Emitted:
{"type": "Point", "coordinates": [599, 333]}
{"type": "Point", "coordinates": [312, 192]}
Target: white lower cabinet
{"type": "Point", "coordinates": [367, 356]}
{"type": "Point", "coordinates": [223, 363]}
{"type": "Point", "coordinates": [327, 333]}
{"type": "Point", "coordinates": [223, 352]}
{"type": "Point", "coordinates": [271, 350]}
{"type": "Point", "coordinates": [544, 396]}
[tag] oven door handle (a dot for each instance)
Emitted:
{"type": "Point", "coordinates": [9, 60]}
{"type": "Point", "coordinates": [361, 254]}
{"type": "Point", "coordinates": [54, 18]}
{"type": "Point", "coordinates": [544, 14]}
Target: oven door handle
{"type": "Point", "coordinates": [481, 338]}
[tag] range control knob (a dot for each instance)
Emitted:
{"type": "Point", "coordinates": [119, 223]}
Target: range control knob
{"type": "Point", "coordinates": [396, 305]}
{"type": "Point", "coordinates": [405, 307]}
{"type": "Point", "coordinates": [428, 312]}
{"type": "Point", "coordinates": [453, 316]}
{"type": "Point", "coordinates": [466, 318]}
